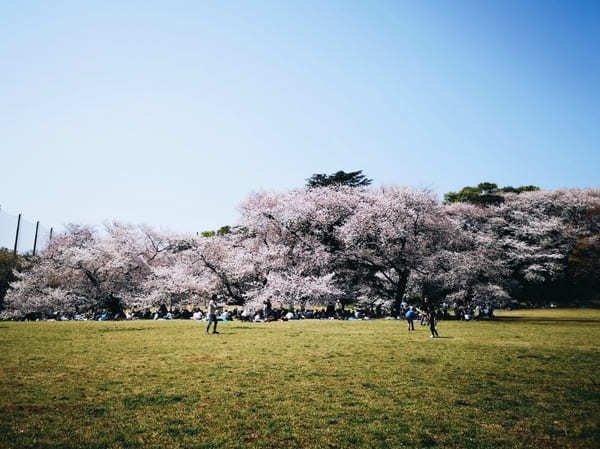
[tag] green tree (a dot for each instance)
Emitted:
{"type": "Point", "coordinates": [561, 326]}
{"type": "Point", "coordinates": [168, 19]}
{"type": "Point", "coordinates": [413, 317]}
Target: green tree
{"type": "Point", "coordinates": [224, 230]}
{"type": "Point", "coordinates": [352, 179]}
{"type": "Point", "coordinates": [529, 188]}
{"type": "Point", "coordinates": [220, 232]}
{"type": "Point", "coordinates": [487, 187]}
{"type": "Point", "coordinates": [486, 193]}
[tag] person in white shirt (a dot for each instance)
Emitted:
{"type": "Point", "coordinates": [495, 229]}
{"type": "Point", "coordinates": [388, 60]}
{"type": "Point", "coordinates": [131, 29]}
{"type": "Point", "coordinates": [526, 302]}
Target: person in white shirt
{"type": "Point", "coordinates": [212, 314]}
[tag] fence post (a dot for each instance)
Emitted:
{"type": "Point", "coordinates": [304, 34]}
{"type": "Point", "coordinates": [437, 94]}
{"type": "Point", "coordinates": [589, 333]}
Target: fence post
{"type": "Point", "coordinates": [37, 226]}
{"type": "Point", "coordinates": [17, 234]}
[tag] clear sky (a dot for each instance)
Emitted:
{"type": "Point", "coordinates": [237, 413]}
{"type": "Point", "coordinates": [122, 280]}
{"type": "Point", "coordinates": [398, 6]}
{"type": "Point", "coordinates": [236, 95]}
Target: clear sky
{"type": "Point", "coordinates": [170, 113]}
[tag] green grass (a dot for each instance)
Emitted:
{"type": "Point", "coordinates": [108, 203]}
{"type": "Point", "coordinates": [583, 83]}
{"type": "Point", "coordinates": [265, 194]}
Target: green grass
{"type": "Point", "coordinates": [532, 381]}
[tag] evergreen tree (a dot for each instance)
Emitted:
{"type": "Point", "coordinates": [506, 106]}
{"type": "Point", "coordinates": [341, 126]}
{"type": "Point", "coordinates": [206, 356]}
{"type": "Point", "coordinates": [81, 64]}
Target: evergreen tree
{"type": "Point", "coordinates": [341, 178]}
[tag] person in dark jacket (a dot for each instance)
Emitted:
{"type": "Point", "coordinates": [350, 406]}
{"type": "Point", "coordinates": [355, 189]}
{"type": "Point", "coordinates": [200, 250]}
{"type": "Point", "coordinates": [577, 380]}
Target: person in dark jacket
{"type": "Point", "coordinates": [431, 317]}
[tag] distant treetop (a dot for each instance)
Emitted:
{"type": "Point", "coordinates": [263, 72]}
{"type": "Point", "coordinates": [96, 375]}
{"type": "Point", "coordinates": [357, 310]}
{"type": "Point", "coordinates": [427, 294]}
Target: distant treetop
{"type": "Point", "coordinates": [486, 193]}
{"type": "Point", "coordinates": [352, 179]}
{"type": "Point", "coordinates": [223, 230]}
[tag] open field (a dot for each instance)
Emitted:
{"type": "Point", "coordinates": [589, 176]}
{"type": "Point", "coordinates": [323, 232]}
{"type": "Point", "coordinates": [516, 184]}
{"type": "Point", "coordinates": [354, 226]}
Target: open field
{"type": "Point", "coordinates": [522, 382]}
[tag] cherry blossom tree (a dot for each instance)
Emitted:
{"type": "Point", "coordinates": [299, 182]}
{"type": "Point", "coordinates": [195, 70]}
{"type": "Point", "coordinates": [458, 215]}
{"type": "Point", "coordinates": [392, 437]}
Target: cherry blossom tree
{"type": "Point", "coordinates": [536, 232]}
{"type": "Point", "coordinates": [394, 234]}
{"type": "Point", "coordinates": [295, 242]}
{"type": "Point", "coordinates": [313, 246]}
{"type": "Point", "coordinates": [366, 243]}
{"type": "Point", "coordinates": [224, 266]}
{"type": "Point", "coordinates": [82, 270]}
{"type": "Point", "coordinates": [173, 282]}
{"type": "Point", "coordinates": [519, 248]}
{"type": "Point", "coordinates": [470, 268]}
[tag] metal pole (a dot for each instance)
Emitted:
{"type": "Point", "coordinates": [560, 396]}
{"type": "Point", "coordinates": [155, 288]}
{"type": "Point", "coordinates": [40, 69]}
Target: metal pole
{"type": "Point", "coordinates": [37, 226]}
{"type": "Point", "coordinates": [17, 235]}
{"type": "Point", "coordinates": [50, 238]}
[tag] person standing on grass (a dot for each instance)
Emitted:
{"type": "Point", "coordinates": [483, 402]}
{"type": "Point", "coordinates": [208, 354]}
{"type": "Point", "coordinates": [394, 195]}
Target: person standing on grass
{"type": "Point", "coordinates": [267, 309]}
{"type": "Point", "coordinates": [432, 321]}
{"type": "Point", "coordinates": [212, 314]}
{"type": "Point", "coordinates": [410, 317]}
{"type": "Point", "coordinates": [431, 317]}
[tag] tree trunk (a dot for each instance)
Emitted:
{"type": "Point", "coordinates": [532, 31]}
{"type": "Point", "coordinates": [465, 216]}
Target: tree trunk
{"type": "Point", "coordinates": [399, 292]}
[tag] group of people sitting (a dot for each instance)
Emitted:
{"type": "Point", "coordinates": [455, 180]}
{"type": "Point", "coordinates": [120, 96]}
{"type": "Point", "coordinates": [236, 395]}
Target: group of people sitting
{"type": "Point", "coordinates": [417, 311]}
{"type": "Point", "coordinates": [332, 312]}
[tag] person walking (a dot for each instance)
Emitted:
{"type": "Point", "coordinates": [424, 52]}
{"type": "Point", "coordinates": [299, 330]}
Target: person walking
{"type": "Point", "coordinates": [431, 317]}
{"type": "Point", "coordinates": [432, 320]}
{"type": "Point", "coordinates": [410, 318]}
{"type": "Point", "coordinates": [212, 314]}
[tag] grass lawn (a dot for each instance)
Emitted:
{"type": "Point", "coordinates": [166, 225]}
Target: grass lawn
{"type": "Point", "coordinates": [529, 379]}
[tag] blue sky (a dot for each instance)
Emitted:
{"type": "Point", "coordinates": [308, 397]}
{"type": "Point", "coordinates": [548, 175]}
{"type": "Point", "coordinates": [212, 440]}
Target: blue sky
{"type": "Point", "coordinates": [170, 113]}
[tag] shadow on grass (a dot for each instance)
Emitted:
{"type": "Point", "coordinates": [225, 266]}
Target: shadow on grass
{"type": "Point", "coordinates": [225, 333]}
{"type": "Point", "coordinates": [543, 320]}
{"type": "Point", "coordinates": [235, 330]}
